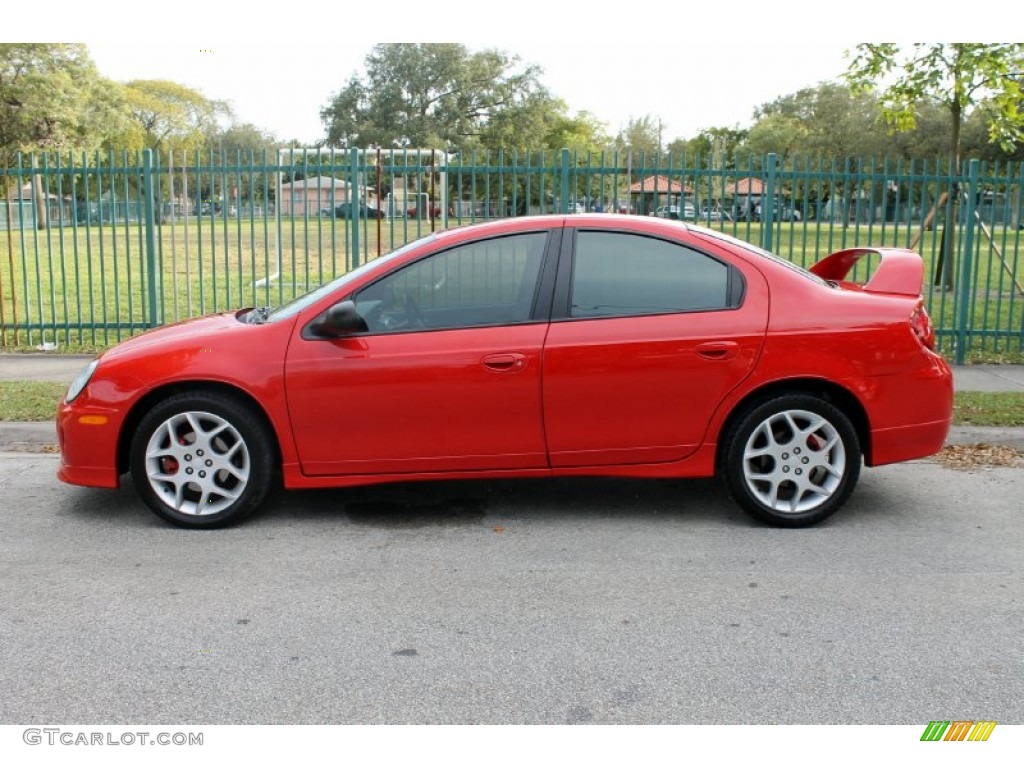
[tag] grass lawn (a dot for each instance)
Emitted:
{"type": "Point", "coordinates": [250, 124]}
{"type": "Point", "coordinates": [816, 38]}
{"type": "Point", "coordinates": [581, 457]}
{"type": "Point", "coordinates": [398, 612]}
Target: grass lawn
{"type": "Point", "coordinates": [989, 409]}
{"type": "Point", "coordinates": [37, 401]}
{"type": "Point", "coordinates": [30, 400]}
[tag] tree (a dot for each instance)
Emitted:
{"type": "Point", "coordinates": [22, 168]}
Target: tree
{"type": "Point", "coordinates": [437, 95]}
{"type": "Point", "coordinates": [526, 121]}
{"type": "Point", "coordinates": [717, 145]}
{"type": "Point", "coordinates": [780, 134]}
{"type": "Point", "coordinates": [641, 135]}
{"type": "Point", "coordinates": [53, 98]}
{"type": "Point", "coordinates": [581, 133]}
{"type": "Point", "coordinates": [836, 121]}
{"type": "Point", "coordinates": [243, 138]}
{"type": "Point", "coordinates": [170, 116]}
{"type": "Point", "coordinates": [961, 77]}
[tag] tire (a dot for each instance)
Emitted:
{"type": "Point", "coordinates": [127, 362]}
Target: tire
{"type": "Point", "coordinates": [792, 461]}
{"type": "Point", "coordinates": [203, 460]}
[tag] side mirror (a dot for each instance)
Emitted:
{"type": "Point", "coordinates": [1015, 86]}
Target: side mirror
{"type": "Point", "coordinates": [341, 319]}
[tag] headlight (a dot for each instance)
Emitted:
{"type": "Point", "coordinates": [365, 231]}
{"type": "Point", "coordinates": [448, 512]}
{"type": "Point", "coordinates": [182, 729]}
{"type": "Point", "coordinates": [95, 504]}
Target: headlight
{"type": "Point", "coordinates": [79, 382]}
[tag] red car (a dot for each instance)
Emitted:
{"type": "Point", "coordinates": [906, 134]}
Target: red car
{"type": "Point", "coordinates": [529, 347]}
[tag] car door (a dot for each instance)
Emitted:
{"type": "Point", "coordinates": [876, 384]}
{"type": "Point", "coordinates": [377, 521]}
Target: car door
{"type": "Point", "coordinates": [648, 335]}
{"type": "Point", "coordinates": [446, 377]}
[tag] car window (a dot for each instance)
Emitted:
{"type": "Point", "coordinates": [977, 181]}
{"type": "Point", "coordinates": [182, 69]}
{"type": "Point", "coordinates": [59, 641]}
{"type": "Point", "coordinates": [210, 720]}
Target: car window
{"type": "Point", "coordinates": [299, 303]}
{"type": "Point", "coordinates": [488, 282]}
{"type": "Point", "coordinates": [622, 274]}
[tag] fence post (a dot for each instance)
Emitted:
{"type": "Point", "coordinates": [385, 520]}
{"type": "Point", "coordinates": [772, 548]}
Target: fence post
{"type": "Point", "coordinates": [354, 204]}
{"type": "Point", "coordinates": [966, 263]}
{"type": "Point", "coordinates": [565, 181]}
{"type": "Point", "coordinates": [147, 199]}
{"type": "Point", "coordinates": [768, 204]}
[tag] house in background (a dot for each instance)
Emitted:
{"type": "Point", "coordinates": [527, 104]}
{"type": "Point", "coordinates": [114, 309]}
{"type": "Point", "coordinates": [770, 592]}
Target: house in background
{"type": "Point", "coordinates": [307, 197]}
{"type": "Point", "coordinates": [646, 195]}
{"type": "Point", "coordinates": [746, 195]}
{"type": "Point", "coordinates": [20, 209]}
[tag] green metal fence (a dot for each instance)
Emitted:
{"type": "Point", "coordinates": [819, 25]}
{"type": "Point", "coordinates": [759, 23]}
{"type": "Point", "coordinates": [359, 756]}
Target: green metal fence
{"type": "Point", "coordinates": [96, 248]}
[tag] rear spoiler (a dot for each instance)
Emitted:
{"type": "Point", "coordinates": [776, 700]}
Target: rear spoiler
{"type": "Point", "coordinates": [901, 271]}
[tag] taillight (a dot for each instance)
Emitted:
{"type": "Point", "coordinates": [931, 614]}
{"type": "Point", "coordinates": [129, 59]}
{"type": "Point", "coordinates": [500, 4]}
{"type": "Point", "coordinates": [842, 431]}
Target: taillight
{"type": "Point", "coordinates": [922, 327]}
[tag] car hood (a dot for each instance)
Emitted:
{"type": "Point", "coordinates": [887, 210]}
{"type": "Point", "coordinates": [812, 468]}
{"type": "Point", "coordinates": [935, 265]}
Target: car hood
{"type": "Point", "coordinates": [178, 335]}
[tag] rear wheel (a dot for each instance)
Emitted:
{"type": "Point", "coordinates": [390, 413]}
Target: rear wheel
{"type": "Point", "coordinates": [792, 461]}
{"type": "Point", "coordinates": [203, 460]}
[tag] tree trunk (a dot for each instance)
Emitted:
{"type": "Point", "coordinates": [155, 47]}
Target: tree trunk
{"type": "Point", "coordinates": [39, 201]}
{"type": "Point", "coordinates": [945, 266]}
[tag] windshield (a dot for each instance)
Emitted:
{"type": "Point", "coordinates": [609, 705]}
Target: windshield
{"type": "Point", "coordinates": [758, 251]}
{"type": "Point", "coordinates": [299, 303]}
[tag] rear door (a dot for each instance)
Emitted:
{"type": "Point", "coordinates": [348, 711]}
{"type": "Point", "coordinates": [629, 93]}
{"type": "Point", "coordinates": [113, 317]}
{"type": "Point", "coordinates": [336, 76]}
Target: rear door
{"type": "Point", "coordinates": [648, 335]}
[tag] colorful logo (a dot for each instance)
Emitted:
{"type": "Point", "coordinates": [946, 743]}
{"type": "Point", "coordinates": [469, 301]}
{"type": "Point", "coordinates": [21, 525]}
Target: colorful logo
{"type": "Point", "coordinates": [958, 730]}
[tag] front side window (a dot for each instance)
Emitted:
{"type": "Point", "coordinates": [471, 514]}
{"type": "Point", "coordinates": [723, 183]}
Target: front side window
{"type": "Point", "coordinates": [489, 282]}
{"type": "Point", "coordinates": [617, 274]}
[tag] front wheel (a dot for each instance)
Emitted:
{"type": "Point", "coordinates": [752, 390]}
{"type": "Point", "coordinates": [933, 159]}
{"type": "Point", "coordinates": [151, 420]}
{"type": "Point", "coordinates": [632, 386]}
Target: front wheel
{"type": "Point", "coordinates": [202, 460]}
{"type": "Point", "coordinates": [792, 461]}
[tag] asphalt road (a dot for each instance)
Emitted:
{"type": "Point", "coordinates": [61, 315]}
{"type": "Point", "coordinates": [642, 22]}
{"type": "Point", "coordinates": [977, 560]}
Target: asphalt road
{"type": "Point", "coordinates": [593, 601]}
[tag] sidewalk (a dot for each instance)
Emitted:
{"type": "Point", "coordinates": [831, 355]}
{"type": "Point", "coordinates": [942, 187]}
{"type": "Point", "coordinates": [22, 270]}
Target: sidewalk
{"type": "Point", "coordinates": [62, 368]}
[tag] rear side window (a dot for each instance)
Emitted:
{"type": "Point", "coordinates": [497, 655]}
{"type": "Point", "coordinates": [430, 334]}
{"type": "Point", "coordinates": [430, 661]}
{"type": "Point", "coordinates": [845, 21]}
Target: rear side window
{"type": "Point", "coordinates": [618, 274]}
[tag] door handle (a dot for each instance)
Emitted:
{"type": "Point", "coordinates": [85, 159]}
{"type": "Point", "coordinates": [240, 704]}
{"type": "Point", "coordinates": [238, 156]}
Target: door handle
{"type": "Point", "coordinates": [506, 362]}
{"type": "Point", "coordinates": [718, 350]}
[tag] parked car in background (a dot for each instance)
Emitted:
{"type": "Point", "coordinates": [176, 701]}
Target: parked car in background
{"type": "Point", "coordinates": [677, 213]}
{"type": "Point", "coordinates": [363, 211]}
{"type": "Point", "coordinates": [711, 214]}
{"type": "Point", "coordinates": [782, 212]}
{"type": "Point", "coordinates": [544, 346]}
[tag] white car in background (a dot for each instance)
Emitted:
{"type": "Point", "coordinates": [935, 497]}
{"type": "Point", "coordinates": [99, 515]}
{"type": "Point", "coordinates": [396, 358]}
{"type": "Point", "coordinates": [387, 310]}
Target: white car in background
{"type": "Point", "coordinates": [687, 212]}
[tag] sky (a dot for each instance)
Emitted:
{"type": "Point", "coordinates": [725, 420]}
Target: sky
{"type": "Point", "coordinates": [693, 65]}
{"type": "Point", "coordinates": [270, 86]}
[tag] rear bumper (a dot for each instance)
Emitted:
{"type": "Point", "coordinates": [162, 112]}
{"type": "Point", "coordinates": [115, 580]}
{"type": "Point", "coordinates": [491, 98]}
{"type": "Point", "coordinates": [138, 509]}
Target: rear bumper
{"type": "Point", "coordinates": [912, 418]}
{"type": "Point", "coordinates": [909, 442]}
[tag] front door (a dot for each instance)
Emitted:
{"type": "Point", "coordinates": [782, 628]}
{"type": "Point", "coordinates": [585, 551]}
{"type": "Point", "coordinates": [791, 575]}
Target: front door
{"type": "Point", "coordinates": [447, 378]}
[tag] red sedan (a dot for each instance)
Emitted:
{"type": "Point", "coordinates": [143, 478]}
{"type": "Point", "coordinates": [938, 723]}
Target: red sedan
{"type": "Point", "coordinates": [529, 347]}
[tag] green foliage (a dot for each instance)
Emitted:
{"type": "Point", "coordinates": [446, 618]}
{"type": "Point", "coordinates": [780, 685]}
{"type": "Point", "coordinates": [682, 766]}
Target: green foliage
{"type": "Point", "coordinates": [834, 121]}
{"type": "Point", "coordinates": [582, 133]}
{"type": "Point", "coordinates": [780, 134]}
{"type": "Point", "coordinates": [168, 115]}
{"type": "Point", "coordinates": [244, 140]}
{"type": "Point", "coordinates": [717, 145]}
{"type": "Point", "coordinates": [441, 95]}
{"type": "Point", "coordinates": [53, 98]}
{"type": "Point", "coordinates": [641, 135]}
{"type": "Point", "coordinates": [958, 76]}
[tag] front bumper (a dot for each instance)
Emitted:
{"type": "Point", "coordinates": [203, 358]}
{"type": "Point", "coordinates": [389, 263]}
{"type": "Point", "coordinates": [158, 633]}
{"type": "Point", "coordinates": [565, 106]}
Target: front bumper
{"type": "Point", "coordinates": [88, 445]}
